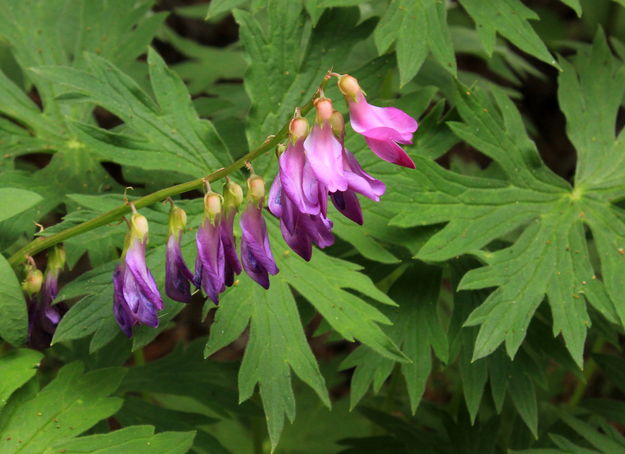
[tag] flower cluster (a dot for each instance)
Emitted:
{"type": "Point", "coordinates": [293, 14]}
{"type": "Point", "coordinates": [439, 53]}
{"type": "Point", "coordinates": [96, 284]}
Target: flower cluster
{"type": "Point", "coordinates": [41, 290]}
{"type": "Point", "coordinates": [316, 165]}
{"type": "Point", "coordinates": [313, 167]}
{"type": "Point", "coordinates": [136, 296]}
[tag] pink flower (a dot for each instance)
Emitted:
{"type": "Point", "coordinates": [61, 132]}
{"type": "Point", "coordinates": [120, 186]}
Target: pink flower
{"type": "Point", "coordinates": [296, 174]}
{"type": "Point", "coordinates": [382, 127]}
{"type": "Point", "coordinates": [323, 150]}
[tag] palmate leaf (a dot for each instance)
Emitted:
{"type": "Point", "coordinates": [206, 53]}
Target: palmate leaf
{"type": "Point", "coordinates": [510, 19]}
{"type": "Point", "coordinates": [277, 342]}
{"type": "Point", "coordinates": [551, 257]}
{"type": "Point", "coordinates": [418, 27]}
{"type": "Point", "coordinates": [167, 134]}
{"type": "Point", "coordinates": [280, 76]}
{"type": "Point", "coordinates": [48, 421]}
{"type": "Point", "coordinates": [416, 329]}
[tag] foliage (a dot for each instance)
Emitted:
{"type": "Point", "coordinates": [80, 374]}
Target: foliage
{"type": "Point", "coordinates": [479, 309]}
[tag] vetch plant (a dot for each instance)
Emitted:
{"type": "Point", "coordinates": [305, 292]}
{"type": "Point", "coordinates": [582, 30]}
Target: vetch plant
{"type": "Point", "coordinates": [416, 208]}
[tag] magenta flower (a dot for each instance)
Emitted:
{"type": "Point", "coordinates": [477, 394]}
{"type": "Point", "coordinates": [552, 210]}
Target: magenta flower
{"type": "Point", "coordinates": [136, 298]}
{"type": "Point", "coordinates": [300, 230]}
{"type": "Point", "coordinates": [178, 278]}
{"type": "Point", "coordinates": [382, 127]}
{"type": "Point", "coordinates": [256, 254]}
{"type": "Point", "coordinates": [210, 262]}
{"type": "Point", "coordinates": [360, 181]}
{"type": "Point", "coordinates": [233, 196]}
{"type": "Point", "coordinates": [323, 150]}
{"type": "Point", "coordinates": [296, 175]}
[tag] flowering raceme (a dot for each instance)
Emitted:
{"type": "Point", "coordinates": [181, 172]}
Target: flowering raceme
{"type": "Point", "coordinates": [313, 167]}
{"type": "Point", "coordinates": [299, 194]}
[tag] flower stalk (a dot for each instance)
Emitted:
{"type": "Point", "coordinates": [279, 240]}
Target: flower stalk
{"type": "Point", "coordinates": [114, 215]}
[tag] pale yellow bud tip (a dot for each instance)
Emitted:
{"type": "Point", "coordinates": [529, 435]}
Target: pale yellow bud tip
{"type": "Point", "coordinates": [349, 86]}
{"type": "Point", "coordinates": [298, 128]}
{"type": "Point", "coordinates": [32, 283]}
{"type": "Point", "coordinates": [337, 122]}
{"type": "Point", "coordinates": [139, 225]}
{"type": "Point", "coordinates": [212, 204]}
{"type": "Point", "coordinates": [256, 187]}
{"type": "Point", "coordinates": [324, 109]}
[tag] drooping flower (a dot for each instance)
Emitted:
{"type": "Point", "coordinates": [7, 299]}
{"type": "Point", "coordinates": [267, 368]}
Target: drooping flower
{"type": "Point", "coordinates": [210, 262]}
{"type": "Point", "coordinates": [347, 203]}
{"type": "Point", "coordinates": [382, 127]}
{"type": "Point", "coordinates": [178, 278]}
{"type": "Point", "coordinates": [233, 197]}
{"type": "Point", "coordinates": [300, 230]}
{"type": "Point", "coordinates": [298, 180]}
{"type": "Point", "coordinates": [256, 254]}
{"type": "Point", "coordinates": [324, 151]}
{"type": "Point", "coordinates": [136, 298]}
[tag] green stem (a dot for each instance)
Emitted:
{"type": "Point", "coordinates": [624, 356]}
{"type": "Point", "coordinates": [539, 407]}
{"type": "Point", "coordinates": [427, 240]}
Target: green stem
{"type": "Point", "coordinates": [115, 214]}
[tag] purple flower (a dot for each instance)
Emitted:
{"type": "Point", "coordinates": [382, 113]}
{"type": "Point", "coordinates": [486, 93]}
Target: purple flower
{"type": "Point", "coordinates": [233, 196]}
{"type": "Point", "coordinates": [347, 203]}
{"type": "Point", "coordinates": [296, 174]}
{"type": "Point", "coordinates": [382, 127]}
{"type": "Point", "coordinates": [136, 298]}
{"type": "Point", "coordinates": [323, 150]}
{"type": "Point", "coordinates": [360, 181]}
{"type": "Point", "coordinates": [256, 254]}
{"type": "Point", "coordinates": [300, 230]}
{"type": "Point", "coordinates": [177, 274]}
{"type": "Point", "coordinates": [210, 262]}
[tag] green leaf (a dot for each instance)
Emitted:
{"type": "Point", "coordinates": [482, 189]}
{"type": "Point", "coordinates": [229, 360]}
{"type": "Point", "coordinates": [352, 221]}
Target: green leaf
{"type": "Point", "coordinates": [417, 27]}
{"type": "Point", "coordinates": [219, 7]}
{"type": "Point", "coordinates": [324, 282]}
{"type": "Point", "coordinates": [598, 440]}
{"type": "Point", "coordinates": [523, 395]}
{"type": "Point", "coordinates": [277, 344]}
{"type": "Point", "coordinates": [167, 136]}
{"type": "Point", "coordinates": [509, 18]}
{"type": "Point", "coordinates": [183, 373]}
{"type": "Point", "coordinates": [135, 439]}
{"type": "Point", "coordinates": [478, 210]}
{"type": "Point", "coordinates": [16, 368]}
{"type": "Point", "coordinates": [575, 5]}
{"type": "Point", "coordinates": [280, 75]}
{"type": "Point", "coordinates": [416, 329]}
{"type": "Point", "coordinates": [72, 403]}
{"type": "Point", "coordinates": [590, 99]}
{"type": "Point", "coordinates": [14, 320]}
{"type": "Point", "coordinates": [14, 201]}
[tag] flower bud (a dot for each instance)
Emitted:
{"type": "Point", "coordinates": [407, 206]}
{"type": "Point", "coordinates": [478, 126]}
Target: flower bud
{"type": "Point", "coordinates": [33, 281]}
{"type": "Point", "coordinates": [212, 205]}
{"type": "Point", "coordinates": [298, 129]}
{"type": "Point", "coordinates": [338, 123]}
{"type": "Point", "coordinates": [255, 188]}
{"type": "Point", "coordinates": [177, 220]}
{"type": "Point", "coordinates": [233, 195]}
{"type": "Point", "coordinates": [139, 226]}
{"type": "Point", "coordinates": [349, 86]}
{"type": "Point", "coordinates": [56, 260]}
{"type": "Point", "coordinates": [324, 109]}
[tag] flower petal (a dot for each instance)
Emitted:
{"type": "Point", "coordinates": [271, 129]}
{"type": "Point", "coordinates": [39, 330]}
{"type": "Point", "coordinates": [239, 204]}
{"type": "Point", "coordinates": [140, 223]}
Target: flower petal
{"type": "Point", "coordinates": [325, 154]}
